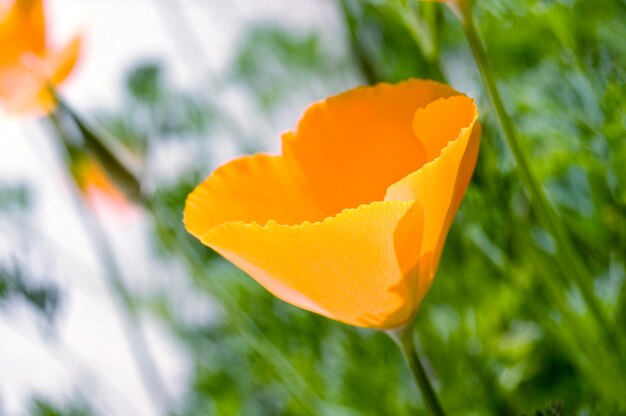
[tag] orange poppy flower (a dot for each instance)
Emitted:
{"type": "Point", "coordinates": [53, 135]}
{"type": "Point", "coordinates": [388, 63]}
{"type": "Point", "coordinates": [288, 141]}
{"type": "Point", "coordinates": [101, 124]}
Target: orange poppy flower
{"type": "Point", "coordinates": [351, 220]}
{"type": "Point", "coordinates": [26, 63]}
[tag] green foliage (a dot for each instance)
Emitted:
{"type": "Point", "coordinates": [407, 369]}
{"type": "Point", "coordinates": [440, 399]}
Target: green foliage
{"type": "Point", "coordinates": [145, 83]}
{"type": "Point", "coordinates": [43, 407]}
{"type": "Point", "coordinates": [384, 43]}
{"type": "Point", "coordinates": [555, 409]}
{"type": "Point", "coordinates": [275, 62]}
{"type": "Point", "coordinates": [155, 110]}
{"type": "Point", "coordinates": [231, 376]}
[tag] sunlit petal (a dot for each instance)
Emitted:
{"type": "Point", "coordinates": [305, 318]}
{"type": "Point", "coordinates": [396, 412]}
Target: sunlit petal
{"type": "Point", "coordinates": [356, 267]}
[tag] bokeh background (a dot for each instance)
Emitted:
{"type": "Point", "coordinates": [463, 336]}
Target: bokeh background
{"type": "Point", "coordinates": [184, 85]}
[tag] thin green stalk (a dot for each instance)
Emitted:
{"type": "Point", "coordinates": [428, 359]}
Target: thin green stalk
{"type": "Point", "coordinates": [567, 255]}
{"type": "Point", "coordinates": [403, 337]}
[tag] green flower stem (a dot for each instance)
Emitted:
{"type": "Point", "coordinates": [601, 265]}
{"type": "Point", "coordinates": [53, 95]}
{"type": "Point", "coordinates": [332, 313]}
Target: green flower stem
{"type": "Point", "coordinates": [568, 258]}
{"type": "Point", "coordinates": [403, 337]}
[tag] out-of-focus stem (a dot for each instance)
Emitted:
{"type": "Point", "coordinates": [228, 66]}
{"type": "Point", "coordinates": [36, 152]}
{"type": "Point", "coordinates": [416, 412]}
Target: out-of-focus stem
{"type": "Point", "coordinates": [567, 256]}
{"type": "Point", "coordinates": [118, 169]}
{"type": "Point", "coordinates": [131, 323]}
{"type": "Point", "coordinates": [403, 337]}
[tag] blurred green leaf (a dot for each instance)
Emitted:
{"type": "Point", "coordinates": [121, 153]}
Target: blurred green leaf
{"type": "Point", "coordinates": [15, 196]}
{"type": "Point", "coordinates": [17, 284]}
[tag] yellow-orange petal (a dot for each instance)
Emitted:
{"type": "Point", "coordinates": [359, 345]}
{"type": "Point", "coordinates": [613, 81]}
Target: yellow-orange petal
{"type": "Point", "coordinates": [60, 64]}
{"type": "Point", "coordinates": [23, 85]}
{"type": "Point", "coordinates": [358, 267]}
{"type": "Point", "coordinates": [440, 184]}
{"type": "Point", "coordinates": [349, 148]}
{"type": "Point", "coordinates": [22, 30]}
{"type": "Point", "coordinates": [256, 188]}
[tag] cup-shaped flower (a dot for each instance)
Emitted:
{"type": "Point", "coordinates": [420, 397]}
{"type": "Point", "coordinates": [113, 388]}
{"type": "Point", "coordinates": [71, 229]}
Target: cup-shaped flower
{"type": "Point", "coordinates": [351, 220]}
{"type": "Point", "coordinates": [27, 65]}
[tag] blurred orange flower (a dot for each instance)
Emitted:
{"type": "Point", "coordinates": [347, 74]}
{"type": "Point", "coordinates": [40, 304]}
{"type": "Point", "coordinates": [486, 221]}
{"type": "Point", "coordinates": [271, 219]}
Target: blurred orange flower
{"type": "Point", "coordinates": [26, 62]}
{"type": "Point", "coordinates": [351, 220]}
{"type": "Point", "coordinates": [97, 188]}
